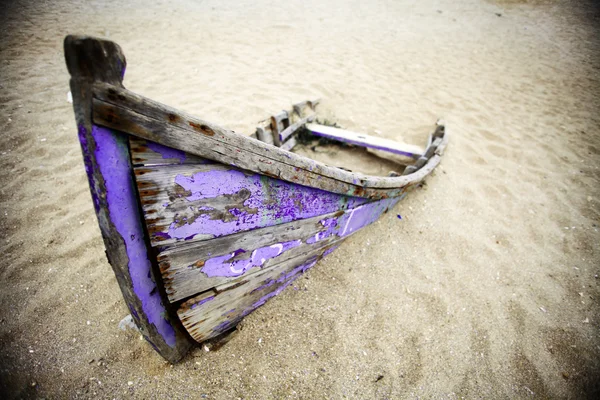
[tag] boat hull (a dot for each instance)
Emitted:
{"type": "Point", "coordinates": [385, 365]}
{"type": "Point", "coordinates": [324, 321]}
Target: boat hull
{"type": "Point", "coordinates": [202, 225]}
{"type": "Point", "coordinates": [227, 240]}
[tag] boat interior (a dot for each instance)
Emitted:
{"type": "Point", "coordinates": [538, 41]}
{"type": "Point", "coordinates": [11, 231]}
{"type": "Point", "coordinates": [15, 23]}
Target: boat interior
{"type": "Point", "coordinates": [301, 131]}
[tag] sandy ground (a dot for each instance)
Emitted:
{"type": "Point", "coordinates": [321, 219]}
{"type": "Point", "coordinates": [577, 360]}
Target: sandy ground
{"type": "Point", "coordinates": [486, 288]}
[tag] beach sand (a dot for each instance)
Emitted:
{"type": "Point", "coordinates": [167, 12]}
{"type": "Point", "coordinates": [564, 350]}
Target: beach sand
{"type": "Point", "coordinates": [486, 288]}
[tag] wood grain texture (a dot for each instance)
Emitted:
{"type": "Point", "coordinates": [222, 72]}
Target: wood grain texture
{"type": "Point", "coordinates": [184, 203]}
{"type": "Point", "coordinates": [218, 311]}
{"type": "Point", "coordinates": [191, 268]}
{"type": "Point", "coordinates": [362, 140]}
{"type": "Point", "coordinates": [107, 163]}
{"type": "Point", "coordinates": [207, 272]}
{"type": "Point", "coordinates": [235, 220]}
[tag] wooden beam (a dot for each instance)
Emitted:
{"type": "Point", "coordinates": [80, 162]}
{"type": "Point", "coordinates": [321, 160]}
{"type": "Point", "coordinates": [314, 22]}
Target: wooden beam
{"type": "Point", "coordinates": [128, 112]}
{"type": "Point", "coordinates": [147, 153]}
{"type": "Point", "coordinates": [359, 139]}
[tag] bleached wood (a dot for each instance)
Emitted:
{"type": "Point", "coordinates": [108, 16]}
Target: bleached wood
{"type": "Point", "coordinates": [289, 144]}
{"type": "Point", "coordinates": [96, 68]}
{"type": "Point", "coordinates": [363, 140]}
{"type": "Point", "coordinates": [181, 281]}
{"type": "Point", "coordinates": [290, 130]}
{"type": "Point", "coordinates": [165, 202]}
{"type": "Point", "coordinates": [279, 122]}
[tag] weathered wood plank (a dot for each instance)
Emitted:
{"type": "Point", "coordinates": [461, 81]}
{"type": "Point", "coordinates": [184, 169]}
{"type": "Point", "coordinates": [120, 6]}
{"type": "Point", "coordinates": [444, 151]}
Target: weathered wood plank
{"type": "Point", "coordinates": [220, 270]}
{"type": "Point", "coordinates": [145, 152]}
{"type": "Point", "coordinates": [362, 140]}
{"type": "Point", "coordinates": [199, 202]}
{"type": "Point", "coordinates": [217, 311]}
{"type": "Point", "coordinates": [429, 152]}
{"type": "Point", "coordinates": [107, 163]}
{"type": "Point", "coordinates": [121, 109]}
{"type": "Point", "coordinates": [266, 129]}
{"type": "Point", "coordinates": [193, 268]}
{"type": "Point", "coordinates": [170, 135]}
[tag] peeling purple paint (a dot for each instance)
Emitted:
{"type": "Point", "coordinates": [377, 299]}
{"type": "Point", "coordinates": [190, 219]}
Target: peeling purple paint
{"type": "Point", "coordinates": [163, 235]}
{"type": "Point", "coordinates": [285, 280]}
{"type": "Point", "coordinates": [262, 201]}
{"type": "Point", "coordinates": [206, 300]}
{"type": "Point", "coordinates": [113, 162]}
{"type": "Point", "coordinates": [226, 266]}
{"type": "Point", "coordinates": [167, 152]}
{"type": "Point", "coordinates": [353, 220]}
{"type": "Point", "coordinates": [343, 225]}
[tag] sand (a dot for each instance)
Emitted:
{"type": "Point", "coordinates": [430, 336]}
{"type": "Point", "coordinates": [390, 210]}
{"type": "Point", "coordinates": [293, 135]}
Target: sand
{"type": "Point", "coordinates": [486, 288]}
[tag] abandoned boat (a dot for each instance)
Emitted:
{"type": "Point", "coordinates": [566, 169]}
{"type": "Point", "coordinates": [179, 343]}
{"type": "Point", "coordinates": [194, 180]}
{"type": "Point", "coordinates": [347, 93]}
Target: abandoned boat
{"type": "Point", "coordinates": [202, 225]}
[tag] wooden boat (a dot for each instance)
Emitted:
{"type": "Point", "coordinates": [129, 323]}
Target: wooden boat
{"type": "Point", "coordinates": [202, 225]}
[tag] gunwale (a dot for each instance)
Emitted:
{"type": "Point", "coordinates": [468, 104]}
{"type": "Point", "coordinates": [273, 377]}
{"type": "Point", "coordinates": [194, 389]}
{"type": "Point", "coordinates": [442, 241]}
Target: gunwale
{"type": "Point", "coordinates": [123, 110]}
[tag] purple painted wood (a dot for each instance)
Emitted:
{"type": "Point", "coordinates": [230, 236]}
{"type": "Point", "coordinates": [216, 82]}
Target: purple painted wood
{"type": "Point", "coordinates": [192, 202]}
{"type": "Point", "coordinates": [146, 152]}
{"type": "Point", "coordinates": [239, 261]}
{"type": "Point", "coordinates": [207, 317]}
{"type": "Point", "coordinates": [112, 157]}
{"type": "Point", "coordinates": [361, 140]}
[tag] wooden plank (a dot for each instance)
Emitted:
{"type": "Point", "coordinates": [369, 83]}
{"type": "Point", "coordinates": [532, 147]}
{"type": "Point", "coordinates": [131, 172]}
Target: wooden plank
{"type": "Point", "coordinates": [145, 152]}
{"type": "Point", "coordinates": [193, 280]}
{"type": "Point", "coordinates": [176, 137]}
{"type": "Point", "coordinates": [218, 311]}
{"type": "Point", "coordinates": [289, 144]}
{"type": "Point", "coordinates": [107, 163]}
{"type": "Point", "coordinates": [290, 130]}
{"type": "Point", "coordinates": [359, 139]}
{"type": "Point", "coordinates": [184, 203]}
{"type": "Point", "coordinates": [121, 109]}
{"type": "Point", "coordinates": [265, 131]}
{"type": "Point", "coordinates": [192, 268]}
